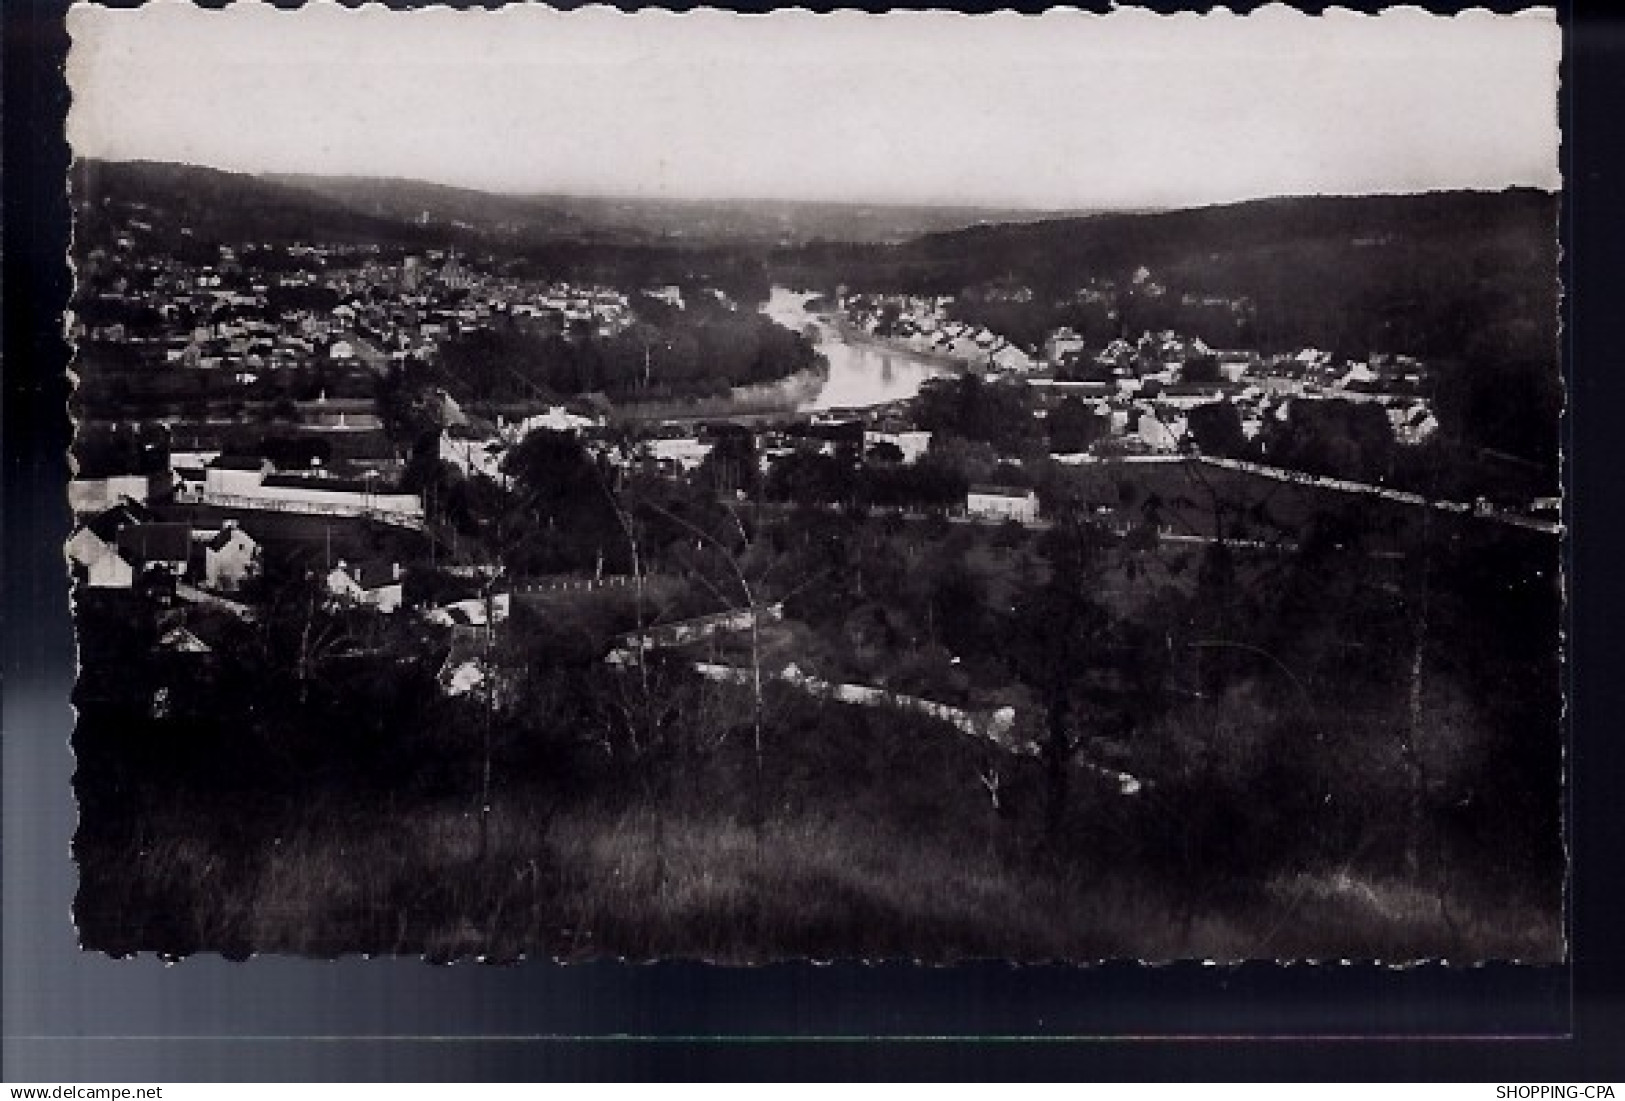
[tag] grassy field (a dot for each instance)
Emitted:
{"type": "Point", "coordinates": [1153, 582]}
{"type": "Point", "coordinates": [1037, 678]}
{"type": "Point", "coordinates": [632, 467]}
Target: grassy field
{"type": "Point", "coordinates": [642, 885]}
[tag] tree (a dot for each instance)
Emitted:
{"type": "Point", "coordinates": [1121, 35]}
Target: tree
{"type": "Point", "coordinates": [1057, 634]}
{"type": "Point", "coordinates": [1345, 439]}
{"type": "Point", "coordinates": [731, 467]}
{"type": "Point", "coordinates": [1074, 426]}
{"type": "Point", "coordinates": [1215, 428]}
{"type": "Point", "coordinates": [1200, 371]}
{"type": "Point", "coordinates": [558, 517]}
{"type": "Point", "coordinates": [971, 460]}
{"type": "Point", "coordinates": [886, 453]}
{"type": "Point", "coordinates": [732, 555]}
{"type": "Point", "coordinates": [998, 414]}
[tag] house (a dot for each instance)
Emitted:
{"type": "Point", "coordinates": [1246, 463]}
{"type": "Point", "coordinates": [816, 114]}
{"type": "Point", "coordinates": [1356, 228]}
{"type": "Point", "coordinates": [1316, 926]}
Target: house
{"type": "Point", "coordinates": [686, 453]}
{"type": "Point", "coordinates": [355, 347]}
{"type": "Point", "coordinates": [1062, 343]}
{"type": "Point", "coordinates": [93, 552]}
{"type": "Point", "coordinates": [912, 444]}
{"type": "Point", "coordinates": [556, 419]}
{"type": "Point", "coordinates": [1413, 424]}
{"type": "Point", "coordinates": [469, 672]}
{"type": "Point", "coordinates": [179, 640]}
{"type": "Point", "coordinates": [1008, 357]}
{"type": "Point", "coordinates": [375, 584]}
{"type": "Point", "coordinates": [1162, 433]}
{"type": "Point", "coordinates": [1357, 377]}
{"type": "Point", "coordinates": [473, 454]}
{"type": "Point", "coordinates": [1002, 503]}
{"type": "Point", "coordinates": [463, 671]}
{"type": "Point", "coordinates": [471, 612]}
{"type": "Point", "coordinates": [156, 547]}
{"type": "Point", "coordinates": [230, 557]}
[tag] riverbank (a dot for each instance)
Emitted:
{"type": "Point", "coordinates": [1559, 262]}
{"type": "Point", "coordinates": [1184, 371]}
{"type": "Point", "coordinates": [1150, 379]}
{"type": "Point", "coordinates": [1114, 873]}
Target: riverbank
{"type": "Point", "coordinates": [765, 400]}
{"type": "Point", "coordinates": [853, 334]}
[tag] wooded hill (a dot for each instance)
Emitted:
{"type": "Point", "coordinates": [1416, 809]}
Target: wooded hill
{"type": "Point", "coordinates": [1430, 274]}
{"type": "Point", "coordinates": [229, 208]}
{"type": "Point", "coordinates": [287, 207]}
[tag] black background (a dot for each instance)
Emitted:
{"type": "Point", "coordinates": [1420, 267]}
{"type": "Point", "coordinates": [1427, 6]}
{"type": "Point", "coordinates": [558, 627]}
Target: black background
{"type": "Point", "coordinates": [71, 1016]}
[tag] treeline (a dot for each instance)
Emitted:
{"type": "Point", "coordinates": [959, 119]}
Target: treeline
{"type": "Point", "coordinates": [697, 352]}
{"type": "Point", "coordinates": [841, 478]}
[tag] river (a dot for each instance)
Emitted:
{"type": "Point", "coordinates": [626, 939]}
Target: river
{"type": "Point", "coordinates": [860, 374]}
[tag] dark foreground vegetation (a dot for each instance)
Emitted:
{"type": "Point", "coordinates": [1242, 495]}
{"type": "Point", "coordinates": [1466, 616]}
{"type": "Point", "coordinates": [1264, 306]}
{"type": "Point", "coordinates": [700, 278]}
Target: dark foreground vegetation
{"type": "Point", "coordinates": [1341, 751]}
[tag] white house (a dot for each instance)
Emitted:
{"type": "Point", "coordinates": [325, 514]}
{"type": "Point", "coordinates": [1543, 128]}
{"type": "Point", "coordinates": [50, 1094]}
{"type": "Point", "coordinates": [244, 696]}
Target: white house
{"type": "Point", "coordinates": [1062, 343]}
{"type": "Point", "coordinates": [1002, 503]}
{"type": "Point", "coordinates": [1413, 424]}
{"type": "Point", "coordinates": [687, 453]}
{"type": "Point", "coordinates": [471, 612]}
{"type": "Point", "coordinates": [473, 455]}
{"type": "Point", "coordinates": [556, 419]}
{"type": "Point", "coordinates": [1008, 357]}
{"type": "Point", "coordinates": [230, 557]}
{"type": "Point", "coordinates": [1161, 433]}
{"type": "Point", "coordinates": [93, 551]}
{"type": "Point", "coordinates": [1358, 374]}
{"type": "Point", "coordinates": [375, 584]}
{"type": "Point", "coordinates": [179, 640]}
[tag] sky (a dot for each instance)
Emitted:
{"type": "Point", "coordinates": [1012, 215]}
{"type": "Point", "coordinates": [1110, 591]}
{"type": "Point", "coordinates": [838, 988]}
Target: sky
{"type": "Point", "coordinates": [1060, 111]}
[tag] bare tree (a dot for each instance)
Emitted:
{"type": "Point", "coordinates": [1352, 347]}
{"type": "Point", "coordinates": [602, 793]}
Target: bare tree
{"type": "Point", "coordinates": [751, 604]}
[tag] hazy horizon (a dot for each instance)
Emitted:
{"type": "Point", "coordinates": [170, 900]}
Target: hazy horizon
{"type": "Point", "coordinates": [1063, 113]}
{"type": "Point", "coordinates": [750, 200]}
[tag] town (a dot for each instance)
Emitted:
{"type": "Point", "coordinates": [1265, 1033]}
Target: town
{"type": "Point", "coordinates": [395, 505]}
{"type": "Point", "coordinates": [259, 374]}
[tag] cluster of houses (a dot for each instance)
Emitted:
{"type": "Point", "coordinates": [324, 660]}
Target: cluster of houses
{"type": "Point", "coordinates": [346, 305]}
{"type": "Point", "coordinates": [1143, 389]}
{"type": "Point", "coordinates": [1147, 388]}
{"type": "Point", "coordinates": [922, 325]}
{"type": "Point", "coordinates": [126, 545]}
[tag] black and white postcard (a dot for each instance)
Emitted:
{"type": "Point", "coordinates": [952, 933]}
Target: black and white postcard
{"type": "Point", "coordinates": [932, 487]}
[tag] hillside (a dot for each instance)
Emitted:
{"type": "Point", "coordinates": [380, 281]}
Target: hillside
{"type": "Point", "coordinates": [673, 220]}
{"type": "Point", "coordinates": [1124, 241]}
{"type": "Point", "coordinates": [1432, 274]}
{"type": "Point", "coordinates": [234, 206]}
{"type": "Point", "coordinates": [228, 208]}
